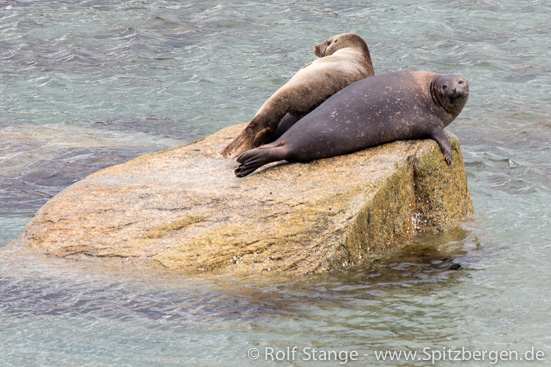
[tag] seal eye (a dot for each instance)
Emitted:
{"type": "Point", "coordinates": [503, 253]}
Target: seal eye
{"type": "Point", "coordinates": [445, 87]}
{"type": "Point", "coordinates": [328, 43]}
{"type": "Point", "coordinates": [460, 82]}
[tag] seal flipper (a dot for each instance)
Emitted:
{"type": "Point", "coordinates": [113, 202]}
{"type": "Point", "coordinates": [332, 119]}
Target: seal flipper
{"type": "Point", "coordinates": [439, 135]}
{"type": "Point", "coordinates": [253, 159]}
{"type": "Point", "coordinates": [240, 144]}
{"type": "Point", "coordinates": [260, 129]}
{"type": "Point", "coordinates": [285, 124]}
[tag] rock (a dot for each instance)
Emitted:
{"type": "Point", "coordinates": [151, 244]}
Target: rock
{"type": "Point", "coordinates": [184, 209]}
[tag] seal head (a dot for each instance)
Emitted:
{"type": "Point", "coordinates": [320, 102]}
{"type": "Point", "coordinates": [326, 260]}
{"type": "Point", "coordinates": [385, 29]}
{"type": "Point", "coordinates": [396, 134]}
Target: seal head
{"type": "Point", "coordinates": [338, 42]}
{"type": "Point", "coordinates": [451, 93]}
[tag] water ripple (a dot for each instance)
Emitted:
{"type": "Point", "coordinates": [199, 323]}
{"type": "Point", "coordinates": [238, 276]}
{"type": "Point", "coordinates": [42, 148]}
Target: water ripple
{"type": "Point", "coordinates": [93, 83]}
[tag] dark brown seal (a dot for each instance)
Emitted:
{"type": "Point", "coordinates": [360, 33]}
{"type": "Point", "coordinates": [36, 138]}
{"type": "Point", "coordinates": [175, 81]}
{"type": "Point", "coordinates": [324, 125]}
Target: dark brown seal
{"type": "Point", "coordinates": [373, 111]}
{"type": "Point", "coordinates": [344, 59]}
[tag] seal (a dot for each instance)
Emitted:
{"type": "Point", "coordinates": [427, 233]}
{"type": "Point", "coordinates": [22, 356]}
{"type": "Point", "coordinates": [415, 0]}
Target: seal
{"type": "Point", "coordinates": [370, 112]}
{"type": "Point", "coordinates": [344, 59]}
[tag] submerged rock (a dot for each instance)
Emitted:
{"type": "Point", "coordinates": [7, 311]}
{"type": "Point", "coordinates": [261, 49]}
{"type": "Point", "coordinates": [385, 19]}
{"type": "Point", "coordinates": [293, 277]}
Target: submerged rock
{"type": "Point", "coordinates": [184, 209]}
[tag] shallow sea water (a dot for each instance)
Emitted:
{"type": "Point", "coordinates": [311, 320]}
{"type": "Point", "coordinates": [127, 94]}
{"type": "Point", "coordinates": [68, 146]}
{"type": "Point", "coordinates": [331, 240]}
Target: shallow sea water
{"type": "Point", "coordinates": [89, 84]}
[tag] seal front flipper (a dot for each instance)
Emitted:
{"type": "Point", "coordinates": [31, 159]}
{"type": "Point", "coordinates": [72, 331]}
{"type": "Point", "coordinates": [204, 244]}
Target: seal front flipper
{"type": "Point", "coordinates": [439, 135]}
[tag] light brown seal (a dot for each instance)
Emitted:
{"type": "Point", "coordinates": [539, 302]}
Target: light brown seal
{"type": "Point", "coordinates": [373, 111]}
{"type": "Point", "coordinates": [344, 59]}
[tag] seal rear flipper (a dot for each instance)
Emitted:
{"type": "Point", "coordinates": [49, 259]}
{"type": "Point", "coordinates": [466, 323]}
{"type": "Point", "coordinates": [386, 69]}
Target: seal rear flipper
{"type": "Point", "coordinates": [284, 124]}
{"type": "Point", "coordinates": [440, 136]}
{"type": "Point", "coordinates": [240, 144]}
{"type": "Point", "coordinates": [253, 159]}
{"type": "Point", "coordinates": [258, 131]}
{"type": "Point", "coordinates": [247, 138]}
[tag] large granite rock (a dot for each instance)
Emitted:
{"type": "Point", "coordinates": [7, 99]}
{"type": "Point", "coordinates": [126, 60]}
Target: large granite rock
{"type": "Point", "coordinates": [183, 209]}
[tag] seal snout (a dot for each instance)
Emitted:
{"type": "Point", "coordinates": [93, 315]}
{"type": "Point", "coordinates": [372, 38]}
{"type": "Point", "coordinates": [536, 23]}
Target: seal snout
{"type": "Point", "coordinates": [319, 50]}
{"type": "Point", "coordinates": [456, 86]}
{"type": "Point", "coordinates": [451, 92]}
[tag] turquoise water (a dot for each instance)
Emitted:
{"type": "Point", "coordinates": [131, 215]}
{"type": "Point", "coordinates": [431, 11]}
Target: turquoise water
{"type": "Point", "coordinates": [89, 84]}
